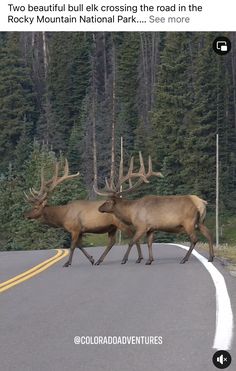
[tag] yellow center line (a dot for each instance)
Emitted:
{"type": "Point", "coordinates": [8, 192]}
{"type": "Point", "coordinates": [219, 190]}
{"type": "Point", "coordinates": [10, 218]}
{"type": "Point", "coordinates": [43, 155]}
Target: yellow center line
{"type": "Point", "coordinates": [61, 253]}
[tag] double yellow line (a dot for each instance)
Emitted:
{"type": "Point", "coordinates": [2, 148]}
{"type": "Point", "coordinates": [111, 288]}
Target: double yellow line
{"type": "Point", "coordinates": [61, 253]}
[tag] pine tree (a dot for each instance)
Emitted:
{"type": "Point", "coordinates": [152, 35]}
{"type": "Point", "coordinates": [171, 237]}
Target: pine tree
{"type": "Point", "coordinates": [173, 101]}
{"type": "Point", "coordinates": [127, 71]}
{"type": "Point", "coordinates": [207, 114]}
{"type": "Point", "coordinates": [17, 109]}
{"type": "Point", "coordinates": [68, 79]}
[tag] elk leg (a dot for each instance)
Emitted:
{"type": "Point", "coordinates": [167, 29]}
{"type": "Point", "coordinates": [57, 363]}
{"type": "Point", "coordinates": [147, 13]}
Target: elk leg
{"type": "Point", "coordinates": [135, 239]}
{"type": "Point", "coordinates": [112, 240]}
{"type": "Point", "coordinates": [74, 238]}
{"type": "Point", "coordinates": [205, 231]}
{"type": "Point", "coordinates": [149, 241]}
{"type": "Point", "coordinates": [77, 242]}
{"type": "Point", "coordinates": [193, 238]}
{"type": "Point", "coordinates": [89, 257]}
{"type": "Point", "coordinates": [129, 232]}
{"type": "Point", "coordinates": [140, 255]}
{"type": "Point", "coordinates": [125, 257]}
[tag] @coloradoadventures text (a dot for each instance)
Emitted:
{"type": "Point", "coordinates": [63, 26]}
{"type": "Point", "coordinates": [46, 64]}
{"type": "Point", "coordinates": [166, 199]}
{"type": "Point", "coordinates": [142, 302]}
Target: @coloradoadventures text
{"type": "Point", "coordinates": [116, 340]}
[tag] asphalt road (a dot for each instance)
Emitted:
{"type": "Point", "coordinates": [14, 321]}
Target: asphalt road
{"type": "Point", "coordinates": [40, 317]}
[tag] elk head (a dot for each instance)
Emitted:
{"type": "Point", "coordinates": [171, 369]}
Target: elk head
{"type": "Point", "coordinates": [116, 191]}
{"type": "Point", "coordinates": [38, 199]}
{"type": "Point", "coordinates": [108, 206]}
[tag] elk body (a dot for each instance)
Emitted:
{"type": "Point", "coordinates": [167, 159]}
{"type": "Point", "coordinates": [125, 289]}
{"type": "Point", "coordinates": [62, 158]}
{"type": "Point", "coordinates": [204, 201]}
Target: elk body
{"type": "Point", "coordinates": [174, 214]}
{"type": "Point", "coordinates": [77, 217]}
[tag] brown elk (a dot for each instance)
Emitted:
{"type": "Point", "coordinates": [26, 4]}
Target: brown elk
{"type": "Point", "coordinates": [77, 217]}
{"type": "Point", "coordinates": [174, 214]}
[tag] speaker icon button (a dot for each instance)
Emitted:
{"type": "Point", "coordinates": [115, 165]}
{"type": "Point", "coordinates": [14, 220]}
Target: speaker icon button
{"type": "Point", "coordinates": [221, 359]}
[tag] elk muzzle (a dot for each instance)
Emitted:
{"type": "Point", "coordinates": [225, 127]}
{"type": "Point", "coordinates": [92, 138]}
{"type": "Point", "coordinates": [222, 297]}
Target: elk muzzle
{"type": "Point", "coordinates": [31, 214]}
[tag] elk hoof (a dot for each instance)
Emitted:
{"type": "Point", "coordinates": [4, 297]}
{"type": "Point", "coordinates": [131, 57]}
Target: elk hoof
{"type": "Point", "coordinates": [138, 260]}
{"type": "Point", "coordinates": [97, 262]}
{"type": "Point", "coordinates": [211, 258]}
{"type": "Point", "coordinates": [148, 262]}
{"type": "Point", "coordinates": [124, 261]}
{"type": "Point", "coordinates": [67, 264]}
{"type": "Point", "coordinates": [91, 260]}
{"type": "Point", "coordinates": [183, 261]}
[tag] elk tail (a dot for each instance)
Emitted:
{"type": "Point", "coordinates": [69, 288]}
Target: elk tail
{"type": "Point", "coordinates": [201, 207]}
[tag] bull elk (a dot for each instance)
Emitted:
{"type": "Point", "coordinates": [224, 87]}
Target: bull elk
{"type": "Point", "coordinates": [77, 217]}
{"type": "Point", "coordinates": [174, 214]}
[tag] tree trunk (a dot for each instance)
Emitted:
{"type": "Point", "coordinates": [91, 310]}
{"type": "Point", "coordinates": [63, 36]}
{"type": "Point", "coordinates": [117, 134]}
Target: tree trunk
{"type": "Point", "coordinates": [105, 62]}
{"type": "Point", "coordinates": [45, 55]}
{"type": "Point", "coordinates": [94, 104]}
{"type": "Point", "coordinates": [113, 112]}
{"type": "Point", "coordinates": [233, 63]}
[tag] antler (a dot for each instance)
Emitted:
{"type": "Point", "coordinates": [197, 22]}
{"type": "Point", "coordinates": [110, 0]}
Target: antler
{"type": "Point", "coordinates": [112, 189]}
{"type": "Point", "coordinates": [48, 186]}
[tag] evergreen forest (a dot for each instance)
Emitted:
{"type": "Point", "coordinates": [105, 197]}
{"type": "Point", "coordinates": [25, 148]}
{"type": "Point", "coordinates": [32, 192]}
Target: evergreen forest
{"type": "Point", "coordinates": [74, 95]}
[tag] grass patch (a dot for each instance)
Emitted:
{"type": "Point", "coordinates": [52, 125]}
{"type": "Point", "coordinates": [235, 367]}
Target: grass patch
{"type": "Point", "coordinates": [227, 237]}
{"type": "Point", "coordinates": [101, 240]}
{"type": "Point", "coordinates": [91, 240]}
{"type": "Point", "coordinates": [227, 228]}
{"type": "Point", "coordinates": [95, 240]}
{"type": "Point", "coordinates": [225, 251]}
{"type": "Point", "coordinates": [228, 253]}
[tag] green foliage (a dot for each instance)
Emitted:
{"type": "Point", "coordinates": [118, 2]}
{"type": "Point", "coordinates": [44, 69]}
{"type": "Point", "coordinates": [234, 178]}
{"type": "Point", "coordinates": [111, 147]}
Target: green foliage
{"type": "Point", "coordinates": [173, 101]}
{"type": "Point", "coordinates": [127, 71]}
{"type": "Point", "coordinates": [17, 110]}
{"type": "Point", "coordinates": [68, 81]}
{"type": "Point", "coordinates": [192, 105]}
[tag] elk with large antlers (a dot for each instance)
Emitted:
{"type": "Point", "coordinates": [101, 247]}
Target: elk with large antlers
{"type": "Point", "coordinates": [174, 214]}
{"type": "Point", "coordinates": [77, 217]}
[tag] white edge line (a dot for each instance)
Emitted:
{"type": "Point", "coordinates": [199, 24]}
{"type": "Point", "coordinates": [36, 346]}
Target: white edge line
{"type": "Point", "coordinates": [224, 315]}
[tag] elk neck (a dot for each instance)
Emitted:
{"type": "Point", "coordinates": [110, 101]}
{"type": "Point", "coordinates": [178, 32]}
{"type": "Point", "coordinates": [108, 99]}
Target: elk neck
{"type": "Point", "coordinates": [123, 210]}
{"type": "Point", "coordinates": [54, 215]}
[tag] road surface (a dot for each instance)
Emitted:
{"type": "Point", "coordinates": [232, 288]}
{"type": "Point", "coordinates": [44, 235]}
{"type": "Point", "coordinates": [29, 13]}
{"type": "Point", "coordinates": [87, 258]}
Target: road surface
{"type": "Point", "coordinates": [41, 317]}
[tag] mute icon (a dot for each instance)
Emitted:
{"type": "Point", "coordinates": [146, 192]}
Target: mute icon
{"type": "Point", "coordinates": [221, 359]}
